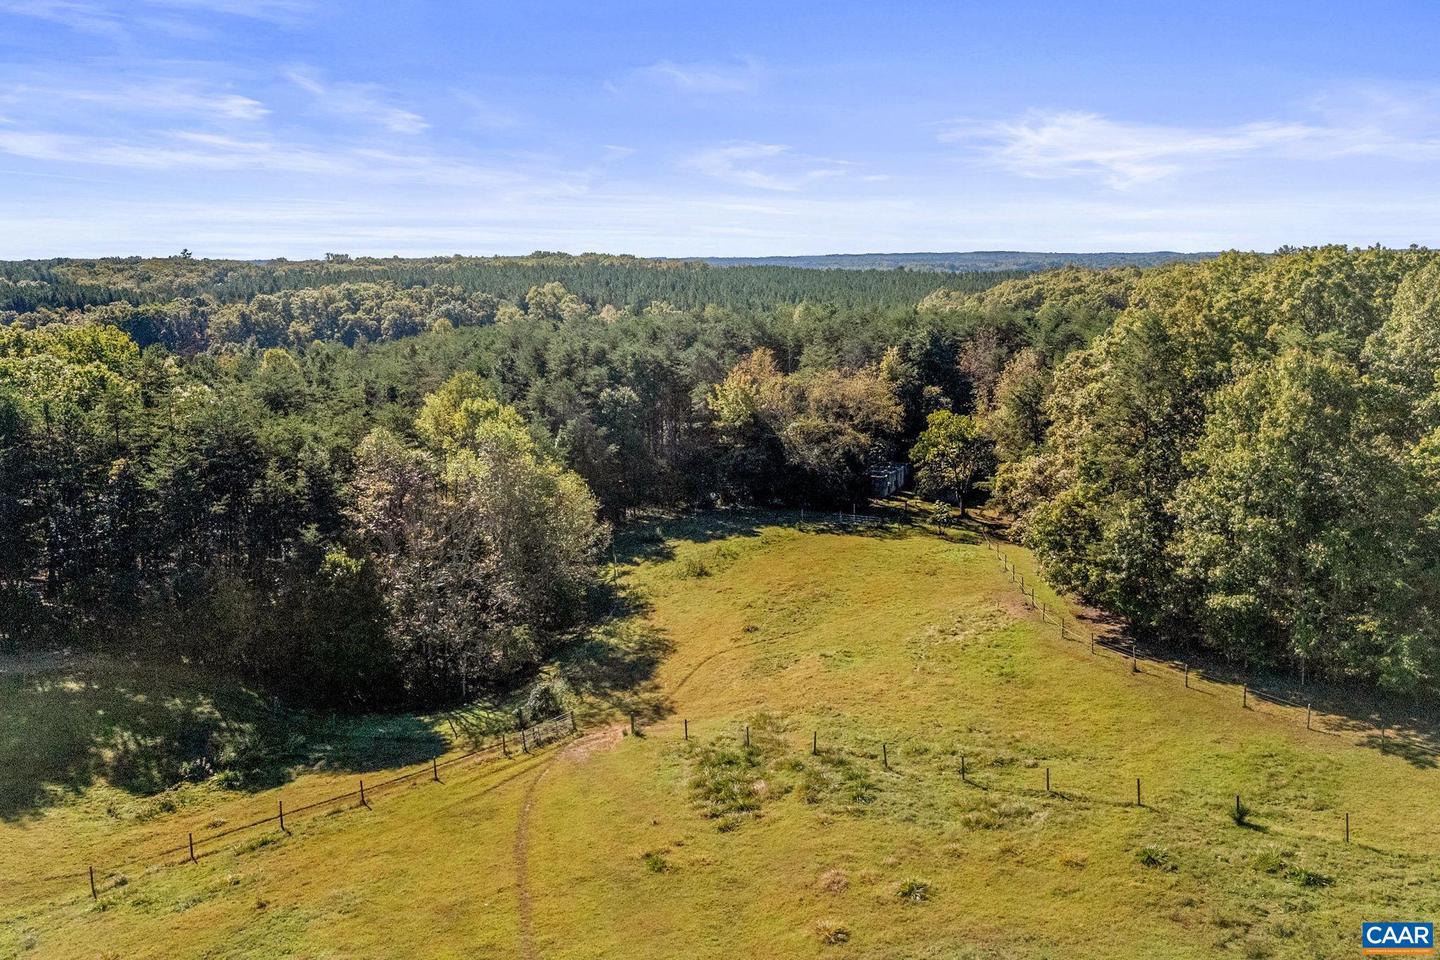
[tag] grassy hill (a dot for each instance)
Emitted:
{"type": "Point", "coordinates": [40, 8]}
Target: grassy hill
{"type": "Point", "coordinates": [865, 663]}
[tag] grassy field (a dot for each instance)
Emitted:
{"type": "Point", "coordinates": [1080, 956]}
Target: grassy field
{"type": "Point", "coordinates": [841, 651]}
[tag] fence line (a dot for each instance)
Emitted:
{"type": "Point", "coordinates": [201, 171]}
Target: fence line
{"type": "Point", "coordinates": [539, 732]}
{"type": "Point", "coordinates": [1046, 784]}
{"type": "Point", "coordinates": [1130, 650]}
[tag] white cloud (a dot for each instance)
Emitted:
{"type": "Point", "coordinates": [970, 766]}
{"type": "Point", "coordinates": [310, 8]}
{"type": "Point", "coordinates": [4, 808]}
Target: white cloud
{"type": "Point", "coordinates": [158, 96]}
{"type": "Point", "coordinates": [743, 76]}
{"type": "Point", "coordinates": [1051, 144]}
{"type": "Point", "coordinates": [482, 113]}
{"type": "Point", "coordinates": [1059, 144]}
{"type": "Point", "coordinates": [765, 166]}
{"type": "Point", "coordinates": [191, 150]}
{"type": "Point", "coordinates": [117, 18]}
{"type": "Point", "coordinates": [275, 11]}
{"type": "Point", "coordinates": [361, 100]}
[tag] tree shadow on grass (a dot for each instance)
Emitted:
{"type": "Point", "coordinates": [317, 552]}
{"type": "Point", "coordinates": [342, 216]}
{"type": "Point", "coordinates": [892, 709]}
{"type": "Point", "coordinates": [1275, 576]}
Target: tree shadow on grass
{"type": "Point", "coordinates": [615, 666]}
{"type": "Point", "coordinates": [653, 538]}
{"type": "Point", "coordinates": [145, 729]}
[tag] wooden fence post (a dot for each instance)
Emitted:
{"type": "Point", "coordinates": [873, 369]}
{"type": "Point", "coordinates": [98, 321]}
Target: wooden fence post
{"type": "Point", "coordinates": [1307, 716]}
{"type": "Point", "coordinates": [1137, 793]}
{"type": "Point", "coordinates": [1187, 676]}
{"type": "Point", "coordinates": [885, 756]}
{"type": "Point", "coordinates": [362, 794]}
{"type": "Point", "coordinates": [687, 729]}
{"type": "Point", "coordinates": [747, 734]}
{"type": "Point", "coordinates": [1347, 830]}
{"type": "Point", "coordinates": [282, 817]}
{"type": "Point", "coordinates": [574, 728]}
{"type": "Point", "coordinates": [192, 848]}
{"type": "Point", "coordinates": [632, 722]}
{"type": "Point", "coordinates": [434, 770]}
{"type": "Point", "coordinates": [523, 744]}
{"type": "Point", "coordinates": [96, 896]}
{"type": "Point", "coordinates": [962, 768]}
{"type": "Point", "coordinates": [503, 748]}
{"type": "Point", "coordinates": [1047, 779]}
{"type": "Point", "coordinates": [815, 743]}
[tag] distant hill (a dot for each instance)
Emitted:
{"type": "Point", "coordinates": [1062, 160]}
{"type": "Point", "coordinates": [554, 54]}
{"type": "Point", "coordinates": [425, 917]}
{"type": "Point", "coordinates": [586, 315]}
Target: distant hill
{"type": "Point", "coordinates": [976, 260]}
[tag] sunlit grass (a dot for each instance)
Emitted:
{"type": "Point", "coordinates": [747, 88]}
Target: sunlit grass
{"type": "Point", "coordinates": [841, 651]}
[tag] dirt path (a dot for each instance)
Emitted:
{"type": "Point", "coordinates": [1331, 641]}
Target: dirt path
{"type": "Point", "coordinates": [525, 903]}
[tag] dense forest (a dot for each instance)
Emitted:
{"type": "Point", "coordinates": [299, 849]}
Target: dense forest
{"type": "Point", "coordinates": [184, 285]}
{"type": "Point", "coordinates": [958, 262]}
{"type": "Point", "coordinates": [367, 482]}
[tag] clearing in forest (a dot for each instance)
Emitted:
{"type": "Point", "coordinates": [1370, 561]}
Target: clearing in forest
{"type": "Point", "coordinates": [861, 664]}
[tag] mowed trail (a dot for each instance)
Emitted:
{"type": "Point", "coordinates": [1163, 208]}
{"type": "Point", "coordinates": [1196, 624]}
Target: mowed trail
{"type": "Point", "coordinates": [524, 893]}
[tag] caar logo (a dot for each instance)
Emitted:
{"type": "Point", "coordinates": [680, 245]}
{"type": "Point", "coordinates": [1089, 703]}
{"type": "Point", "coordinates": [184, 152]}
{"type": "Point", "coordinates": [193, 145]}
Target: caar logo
{"type": "Point", "coordinates": [1379, 939]}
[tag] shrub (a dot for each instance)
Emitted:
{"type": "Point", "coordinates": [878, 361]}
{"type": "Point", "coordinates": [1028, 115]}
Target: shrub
{"type": "Point", "coordinates": [916, 891]}
{"type": "Point", "coordinates": [1277, 862]}
{"type": "Point", "coordinates": [655, 861]}
{"type": "Point", "coordinates": [832, 932]}
{"type": "Point", "coordinates": [692, 567]}
{"type": "Point", "coordinates": [1157, 858]}
{"type": "Point", "coordinates": [724, 779]}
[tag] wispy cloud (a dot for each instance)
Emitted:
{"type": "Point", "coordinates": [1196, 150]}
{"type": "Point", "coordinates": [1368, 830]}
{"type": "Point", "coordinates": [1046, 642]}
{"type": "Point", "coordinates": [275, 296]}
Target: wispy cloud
{"type": "Point", "coordinates": [117, 19]}
{"type": "Point", "coordinates": [765, 166]}
{"type": "Point", "coordinates": [1061, 144]}
{"type": "Point", "coordinates": [1052, 144]}
{"type": "Point", "coordinates": [166, 97]}
{"type": "Point", "coordinates": [741, 76]}
{"type": "Point", "coordinates": [191, 150]}
{"type": "Point", "coordinates": [484, 114]}
{"type": "Point", "coordinates": [363, 100]}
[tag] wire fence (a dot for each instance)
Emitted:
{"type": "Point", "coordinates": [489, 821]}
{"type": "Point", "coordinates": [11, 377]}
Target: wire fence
{"type": "Point", "coordinates": [987, 777]}
{"type": "Point", "coordinates": [524, 738]}
{"type": "Point", "coordinates": [1389, 739]}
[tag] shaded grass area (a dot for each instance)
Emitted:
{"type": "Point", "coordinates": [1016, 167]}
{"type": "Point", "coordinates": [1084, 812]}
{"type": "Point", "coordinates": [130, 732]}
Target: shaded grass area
{"type": "Point", "coordinates": [142, 730]}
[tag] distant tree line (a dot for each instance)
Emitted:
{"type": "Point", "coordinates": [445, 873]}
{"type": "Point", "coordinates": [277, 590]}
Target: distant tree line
{"type": "Point", "coordinates": [622, 281]}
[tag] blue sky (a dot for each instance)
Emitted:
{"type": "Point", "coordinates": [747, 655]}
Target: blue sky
{"type": "Point", "coordinates": [258, 128]}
